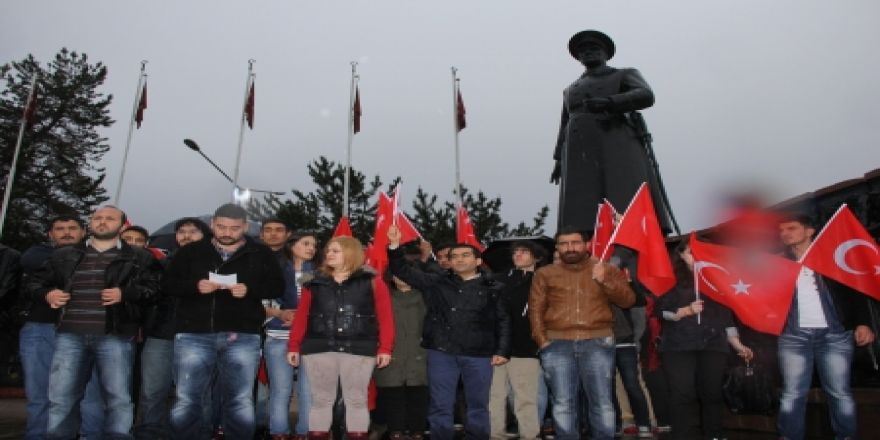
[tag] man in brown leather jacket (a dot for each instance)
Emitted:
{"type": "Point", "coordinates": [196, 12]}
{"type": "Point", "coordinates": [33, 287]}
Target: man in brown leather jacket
{"type": "Point", "coordinates": [571, 319]}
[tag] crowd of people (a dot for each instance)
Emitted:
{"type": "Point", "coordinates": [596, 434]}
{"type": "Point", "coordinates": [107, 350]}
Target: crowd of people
{"type": "Point", "coordinates": [217, 338]}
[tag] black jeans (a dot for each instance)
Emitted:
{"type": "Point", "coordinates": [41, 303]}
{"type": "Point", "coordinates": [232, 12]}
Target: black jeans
{"type": "Point", "coordinates": [627, 363]}
{"type": "Point", "coordinates": [405, 408]}
{"type": "Point", "coordinates": [695, 381]}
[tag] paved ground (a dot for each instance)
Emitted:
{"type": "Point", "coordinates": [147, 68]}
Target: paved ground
{"type": "Point", "coordinates": [12, 421]}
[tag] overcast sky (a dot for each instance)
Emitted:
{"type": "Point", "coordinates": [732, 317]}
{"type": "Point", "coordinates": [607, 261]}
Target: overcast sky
{"type": "Point", "coordinates": [780, 95]}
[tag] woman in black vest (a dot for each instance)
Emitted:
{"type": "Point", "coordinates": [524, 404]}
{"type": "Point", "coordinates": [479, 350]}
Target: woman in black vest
{"type": "Point", "coordinates": [343, 328]}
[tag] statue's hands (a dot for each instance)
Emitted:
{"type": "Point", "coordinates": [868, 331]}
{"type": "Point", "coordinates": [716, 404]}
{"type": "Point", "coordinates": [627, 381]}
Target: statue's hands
{"type": "Point", "coordinates": [598, 105]}
{"type": "Point", "coordinates": [556, 175]}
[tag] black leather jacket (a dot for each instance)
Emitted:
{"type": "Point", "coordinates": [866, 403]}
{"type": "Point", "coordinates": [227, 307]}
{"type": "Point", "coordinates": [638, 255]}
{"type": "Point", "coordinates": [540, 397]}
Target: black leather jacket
{"type": "Point", "coordinates": [135, 271]}
{"type": "Point", "coordinates": [464, 317]}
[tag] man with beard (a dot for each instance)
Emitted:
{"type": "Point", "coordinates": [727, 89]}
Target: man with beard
{"type": "Point", "coordinates": [571, 320]}
{"type": "Point", "coordinates": [37, 338]}
{"type": "Point", "coordinates": [219, 284]}
{"type": "Point", "coordinates": [98, 286]}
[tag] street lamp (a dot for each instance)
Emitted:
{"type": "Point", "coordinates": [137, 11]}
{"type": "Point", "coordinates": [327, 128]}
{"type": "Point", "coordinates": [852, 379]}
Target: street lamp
{"type": "Point", "coordinates": [239, 194]}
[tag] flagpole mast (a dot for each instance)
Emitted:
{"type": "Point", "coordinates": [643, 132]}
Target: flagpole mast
{"type": "Point", "coordinates": [7, 194]}
{"type": "Point", "coordinates": [247, 91]}
{"type": "Point", "coordinates": [455, 130]}
{"type": "Point", "coordinates": [347, 179]}
{"type": "Point", "coordinates": [137, 100]}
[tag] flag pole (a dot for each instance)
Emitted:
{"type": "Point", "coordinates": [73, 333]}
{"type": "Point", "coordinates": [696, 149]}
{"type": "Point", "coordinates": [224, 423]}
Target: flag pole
{"type": "Point", "coordinates": [137, 101]}
{"type": "Point", "coordinates": [247, 91]}
{"type": "Point", "coordinates": [7, 194]}
{"type": "Point", "coordinates": [346, 183]}
{"type": "Point", "coordinates": [455, 130]}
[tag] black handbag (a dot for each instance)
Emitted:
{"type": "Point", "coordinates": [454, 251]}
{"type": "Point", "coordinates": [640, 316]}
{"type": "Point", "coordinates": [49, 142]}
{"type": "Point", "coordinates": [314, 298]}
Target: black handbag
{"type": "Point", "coordinates": [749, 389]}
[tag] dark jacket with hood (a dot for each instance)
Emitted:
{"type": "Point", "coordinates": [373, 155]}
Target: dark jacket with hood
{"type": "Point", "coordinates": [253, 264]}
{"type": "Point", "coordinates": [467, 318]}
{"type": "Point", "coordinates": [134, 271]}
{"type": "Point", "coordinates": [517, 284]}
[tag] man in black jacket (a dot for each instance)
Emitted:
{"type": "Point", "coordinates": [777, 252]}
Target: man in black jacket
{"type": "Point", "coordinates": [99, 287]}
{"type": "Point", "coordinates": [219, 284]}
{"type": "Point", "coordinates": [522, 375]}
{"type": "Point", "coordinates": [824, 320]}
{"type": "Point", "coordinates": [466, 332]}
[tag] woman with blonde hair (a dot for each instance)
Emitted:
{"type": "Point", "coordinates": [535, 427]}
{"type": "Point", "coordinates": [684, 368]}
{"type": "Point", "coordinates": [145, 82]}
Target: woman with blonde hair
{"type": "Point", "coordinates": [343, 328]}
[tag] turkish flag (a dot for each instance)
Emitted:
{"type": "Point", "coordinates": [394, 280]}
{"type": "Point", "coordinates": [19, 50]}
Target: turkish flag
{"type": "Point", "coordinates": [377, 255]}
{"type": "Point", "coordinates": [603, 230]}
{"type": "Point", "coordinates": [343, 228]}
{"type": "Point", "coordinates": [249, 107]}
{"type": "Point", "coordinates": [408, 231]}
{"type": "Point", "coordinates": [142, 105]}
{"type": "Point", "coordinates": [465, 230]}
{"type": "Point", "coordinates": [844, 251]}
{"type": "Point", "coordinates": [640, 231]}
{"type": "Point", "coordinates": [356, 111]}
{"type": "Point", "coordinates": [757, 286]}
{"type": "Point", "coordinates": [460, 121]}
{"type": "Point", "coordinates": [30, 109]}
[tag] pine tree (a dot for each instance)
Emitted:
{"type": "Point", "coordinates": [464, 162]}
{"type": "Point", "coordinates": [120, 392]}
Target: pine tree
{"type": "Point", "coordinates": [320, 209]}
{"type": "Point", "coordinates": [56, 169]}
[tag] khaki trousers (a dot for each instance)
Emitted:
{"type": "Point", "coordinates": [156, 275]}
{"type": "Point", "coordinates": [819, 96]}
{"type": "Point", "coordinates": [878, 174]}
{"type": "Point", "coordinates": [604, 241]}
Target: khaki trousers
{"type": "Point", "coordinates": [521, 375]}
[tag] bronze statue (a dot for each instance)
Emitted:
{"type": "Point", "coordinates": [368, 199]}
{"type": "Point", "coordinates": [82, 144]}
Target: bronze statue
{"type": "Point", "coordinates": [603, 149]}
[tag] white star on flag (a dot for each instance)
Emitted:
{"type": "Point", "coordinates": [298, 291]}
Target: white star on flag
{"type": "Point", "coordinates": [741, 287]}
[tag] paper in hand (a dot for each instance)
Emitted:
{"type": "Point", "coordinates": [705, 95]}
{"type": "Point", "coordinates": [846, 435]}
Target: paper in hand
{"type": "Point", "coordinates": [224, 280]}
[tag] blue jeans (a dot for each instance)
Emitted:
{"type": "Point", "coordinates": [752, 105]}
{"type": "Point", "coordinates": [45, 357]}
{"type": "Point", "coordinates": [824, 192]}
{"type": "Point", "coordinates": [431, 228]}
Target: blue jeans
{"type": "Point", "coordinates": [36, 347]}
{"type": "Point", "coordinates": [832, 354]}
{"type": "Point", "coordinates": [570, 363]}
{"type": "Point", "coordinates": [281, 387]}
{"type": "Point", "coordinates": [157, 359]}
{"type": "Point", "coordinates": [444, 371]}
{"type": "Point", "coordinates": [236, 357]}
{"type": "Point", "coordinates": [72, 364]}
{"type": "Point", "coordinates": [627, 362]}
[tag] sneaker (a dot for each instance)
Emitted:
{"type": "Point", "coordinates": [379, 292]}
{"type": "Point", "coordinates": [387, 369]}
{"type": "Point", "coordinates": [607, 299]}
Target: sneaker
{"type": "Point", "coordinates": [662, 429]}
{"type": "Point", "coordinates": [645, 432]}
{"type": "Point", "coordinates": [630, 430]}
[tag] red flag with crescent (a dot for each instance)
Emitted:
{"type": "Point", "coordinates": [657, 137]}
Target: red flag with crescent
{"type": "Point", "coordinates": [640, 231]}
{"type": "Point", "coordinates": [758, 287]}
{"type": "Point", "coordinates": [465, 230]}
{"type": "Point", "coordinates": [845, 252]}
{"type": "Point", "coordinates": [603, 229]}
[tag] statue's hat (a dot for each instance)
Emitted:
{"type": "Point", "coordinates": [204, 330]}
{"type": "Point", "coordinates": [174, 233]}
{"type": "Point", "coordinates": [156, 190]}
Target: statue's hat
{"type": "Point", "coordinates": [597, 36]}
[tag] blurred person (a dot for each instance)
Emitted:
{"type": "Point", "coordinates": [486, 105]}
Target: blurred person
{"type": "Point", "coordinates": [99, 285]}
{"type": "Point", "coordinates": [824, 322]}
{"type": "Point", "coordinates": [694, 347]}
{"type": "Point", "coordinates": [219, 285]}
{"type": "Point", "coordinates": [343, 329]}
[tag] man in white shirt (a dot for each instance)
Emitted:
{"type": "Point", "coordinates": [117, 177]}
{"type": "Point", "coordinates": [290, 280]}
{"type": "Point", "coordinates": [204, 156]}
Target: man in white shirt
{"type": "Point", "coordinates": [824, 320]}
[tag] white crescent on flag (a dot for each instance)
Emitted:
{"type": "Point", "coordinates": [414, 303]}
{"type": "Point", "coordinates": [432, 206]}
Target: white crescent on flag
{"type": "Point", "coordinates": [846, 246]}
{"type": "Point", "coordinates": [700, 265]}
